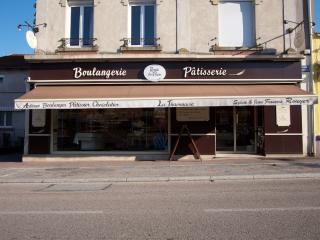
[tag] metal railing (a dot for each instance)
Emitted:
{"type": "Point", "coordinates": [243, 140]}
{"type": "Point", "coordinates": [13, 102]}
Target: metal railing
{"type": "Point", "coordinates": [140, 42]}
{"type": "Point", "coordinates": [77, 42]}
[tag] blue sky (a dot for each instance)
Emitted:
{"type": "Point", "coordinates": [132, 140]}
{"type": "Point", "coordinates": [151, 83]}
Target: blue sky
{"type": "Point", "coordinates": [317, 14]}
{"type": "Point", "coordinates": [15, 12]}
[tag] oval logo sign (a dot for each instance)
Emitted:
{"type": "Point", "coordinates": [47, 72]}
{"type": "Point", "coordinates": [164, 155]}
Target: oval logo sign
{"type": "Point", "coordinates": [155, 73]}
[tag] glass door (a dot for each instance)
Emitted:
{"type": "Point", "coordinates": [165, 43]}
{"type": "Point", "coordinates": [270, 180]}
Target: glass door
{"type": "Point", "coordinates": [235, 129]}
{"type": "Point", "coordinates": [225, 129]}
{"type": "Point", "coordinates": [245, 129]}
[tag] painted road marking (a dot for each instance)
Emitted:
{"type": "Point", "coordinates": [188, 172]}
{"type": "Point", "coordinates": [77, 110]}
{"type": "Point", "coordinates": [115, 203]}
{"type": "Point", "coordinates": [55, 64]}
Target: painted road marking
{"type": "Point", "coordinates": [240, 210]}
{"type": "Point", "coordinates": [49, 212]}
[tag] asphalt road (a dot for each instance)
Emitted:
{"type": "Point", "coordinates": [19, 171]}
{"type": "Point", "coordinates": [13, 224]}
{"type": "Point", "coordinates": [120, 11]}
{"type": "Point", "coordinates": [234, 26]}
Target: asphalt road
{"type": "Point", "coordinates": [170, 211]}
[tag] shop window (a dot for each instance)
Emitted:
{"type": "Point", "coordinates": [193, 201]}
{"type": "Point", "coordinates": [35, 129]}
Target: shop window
{"type": "Point", "coordinates": [6, 140]}
{"type": "Point", "coordinates": [5, 119]}
{"type": "Point", "coordinates": [142, 23]}
{"type": "Point", "coordinates": [129, 130]}
{"type": "Point", "coordinates": [236, 23]}
{"type": "Point", "coordinates": [80, 21]}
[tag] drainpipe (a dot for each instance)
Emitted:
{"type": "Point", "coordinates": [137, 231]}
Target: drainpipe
{"type": "Point", "coordinates": [177, 26]}
{"type": "Point", "coordinates": [311, 139]}
{"type": "Point", "coordinates": [283, 27]}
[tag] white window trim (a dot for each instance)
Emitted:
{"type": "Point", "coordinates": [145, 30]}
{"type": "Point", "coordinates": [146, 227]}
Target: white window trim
{"type": "Point", "coordinates": [78, 3]}
{"type": "Point", "coordinates": [68, 23]}
{"type": "Point", "coordinates": [5, 121]}
{"type": "Point", "coordinates": [236, 1]}
{"type": "Point", "coordinates": [142, 23]}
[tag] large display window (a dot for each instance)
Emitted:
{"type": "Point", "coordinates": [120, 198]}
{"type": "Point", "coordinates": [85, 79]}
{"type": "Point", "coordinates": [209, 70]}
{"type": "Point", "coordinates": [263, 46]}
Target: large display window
{"type": "Point", "coordinates": [110, 130]}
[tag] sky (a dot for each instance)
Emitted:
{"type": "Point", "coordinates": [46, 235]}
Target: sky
{"type": "Point", "coordinates": [15, 12]}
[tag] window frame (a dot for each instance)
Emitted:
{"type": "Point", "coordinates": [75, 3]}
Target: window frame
{"type": "Point", "coordinates": [5, 121]}
{"type": "Point", "coordinates": [142, 22]}
{"type": "Point", "coordinates": [68, 23]}
{"type": "Point", "coordinates": [254, 34]}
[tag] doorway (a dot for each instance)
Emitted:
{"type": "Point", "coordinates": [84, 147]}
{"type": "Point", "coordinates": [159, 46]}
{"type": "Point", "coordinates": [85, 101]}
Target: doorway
{"type": "Point", "coordinates": [235, 129]}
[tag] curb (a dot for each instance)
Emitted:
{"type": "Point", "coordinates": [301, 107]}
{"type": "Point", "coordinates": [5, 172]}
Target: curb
{"type": "Point", "coordinates": [170, 179]}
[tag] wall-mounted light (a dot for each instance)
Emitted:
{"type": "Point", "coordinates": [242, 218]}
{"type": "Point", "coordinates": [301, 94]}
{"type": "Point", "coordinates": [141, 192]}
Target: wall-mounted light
{"type": "Point", "coordinates": [34, 28]}
{"type": "Point", "coordinates": [288, 21]}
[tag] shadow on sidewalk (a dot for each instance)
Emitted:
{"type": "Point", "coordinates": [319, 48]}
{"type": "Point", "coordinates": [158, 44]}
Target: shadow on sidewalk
{"type": "Point", "coordinates": [307, 165]}
{"type": "Point", "coordinates": [298, 163]}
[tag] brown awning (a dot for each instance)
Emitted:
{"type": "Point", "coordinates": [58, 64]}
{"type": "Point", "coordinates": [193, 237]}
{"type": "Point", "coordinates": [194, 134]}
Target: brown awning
{"type": "Point", "coordinates": [124, 96]}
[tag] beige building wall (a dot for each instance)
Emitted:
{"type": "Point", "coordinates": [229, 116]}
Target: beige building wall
{"type": "Point", "coordinates": [52, 12]}
{"type": "Point", "coordinates": [269, 23]}
{"type": "Point", "coordinates": [166, 25]}
{"type": "Point", "coordinates": [294, 13]}
{"type": "Point", "coordinates": [195, 28]}
{"type": "Point", "coordinates": [204, 25]}
{"type": "Point", "coordinates": [110, 25]}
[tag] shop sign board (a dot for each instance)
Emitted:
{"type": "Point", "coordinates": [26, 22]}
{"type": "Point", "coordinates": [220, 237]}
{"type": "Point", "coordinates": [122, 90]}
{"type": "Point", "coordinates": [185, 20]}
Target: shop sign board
{"type": "Point", "coordinates": [166, 71]}
{"type": "Point", "coordinates": [283, 115]}
{"type": "Point", "coordinates": [197, 114]}
{"type": "Point", "coordinates": [38, 118]}
{"type": "Point", "coordinates": [163, 103]}
{"type": "Point", "coordinates": [154, 73]}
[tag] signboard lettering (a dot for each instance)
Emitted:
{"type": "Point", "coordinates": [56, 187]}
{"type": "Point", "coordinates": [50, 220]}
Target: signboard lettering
{"type": "Point", "coordinates": [192, 71]}
{"type": "Point", "coordinates": [94, 72]}
{"type": "Point", "coordinates": [172, 103]}
{"type": "Point", "coordinates": [202, 72]}
{"type": "Point", "coordinates": [164, 103]}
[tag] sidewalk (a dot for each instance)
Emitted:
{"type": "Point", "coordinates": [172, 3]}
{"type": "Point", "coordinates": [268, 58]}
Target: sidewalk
{"type": "Point", "coordinates": [159, 171]}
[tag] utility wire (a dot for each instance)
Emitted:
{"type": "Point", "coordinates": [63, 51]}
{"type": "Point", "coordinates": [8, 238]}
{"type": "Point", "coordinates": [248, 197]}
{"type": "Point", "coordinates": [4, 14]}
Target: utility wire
{"type": "Point", "coordinates": [289, 31]}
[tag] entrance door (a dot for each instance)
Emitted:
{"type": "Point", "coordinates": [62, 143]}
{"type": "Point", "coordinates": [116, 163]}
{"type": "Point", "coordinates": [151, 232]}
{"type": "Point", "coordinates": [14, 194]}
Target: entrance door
{"type": "Point", "coordinates": [225, 129]}
{"type": "Point", "coordinates": [235, 129]}
{"type": "Point", "coordinates": [245, 129]}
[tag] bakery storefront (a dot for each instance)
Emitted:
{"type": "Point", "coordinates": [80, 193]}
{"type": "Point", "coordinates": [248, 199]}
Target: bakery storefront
{"type": "Point", "coordinates": [141, 108]}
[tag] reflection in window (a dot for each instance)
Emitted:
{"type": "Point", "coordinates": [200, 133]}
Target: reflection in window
{"type": "Point", "coordinates": [2, 118]}
{"type": "Point", "coordinates": [143, 25]}
{"type": "Point", "coordinates": [111, 130]}
{"type": "Point", "coordinates": [81, 26]}
{"type": "Point", "coordinates": [5, 119]}
{"type": "Point", "coordinates": [87, 26]}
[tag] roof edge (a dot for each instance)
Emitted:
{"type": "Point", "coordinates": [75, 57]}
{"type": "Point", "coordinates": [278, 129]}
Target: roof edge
{"type": "Point", "coordinates": [157, 57]}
